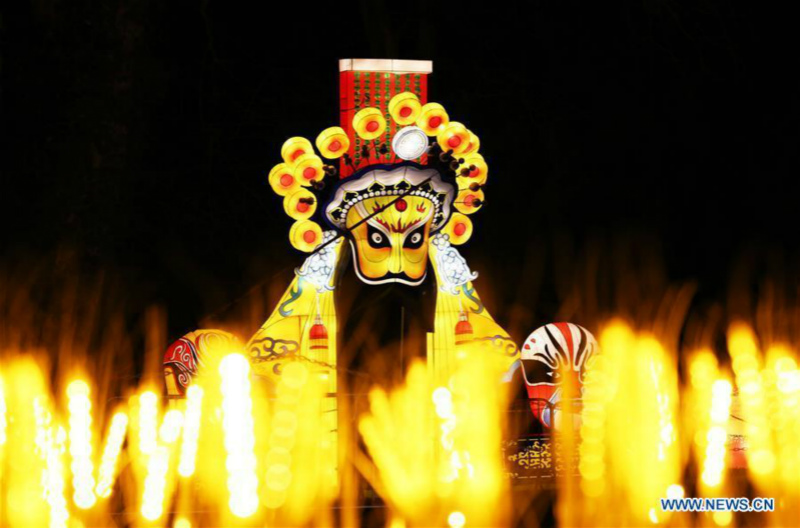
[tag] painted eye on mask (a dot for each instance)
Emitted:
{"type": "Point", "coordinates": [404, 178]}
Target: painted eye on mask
{"type": "Point", "coordinates": [415, 239]}
{"type": "Point", "coordinates": [376, 238]}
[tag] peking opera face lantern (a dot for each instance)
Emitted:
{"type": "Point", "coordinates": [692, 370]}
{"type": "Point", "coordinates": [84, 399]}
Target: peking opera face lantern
{"type": "Point", "coordinates": [390, 227]}
{"type": "Point", "coordinates": [394, 184]}
{"type": "Point", "coordinates": [550, 354]}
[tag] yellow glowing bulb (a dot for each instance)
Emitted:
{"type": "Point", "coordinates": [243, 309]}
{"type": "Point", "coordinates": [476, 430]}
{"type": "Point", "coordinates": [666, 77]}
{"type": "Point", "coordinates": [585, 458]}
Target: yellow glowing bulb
{"type": "Point", "coordinates": [675, 491]}
{"type": "Point", "coordinates": [182, 522]}
{"type": "Point", "coordinates": [456, 519]}
{"type": "Point", "coordinates": [722, 518]}
{"type": "Point", "coordinates": [171, 426]}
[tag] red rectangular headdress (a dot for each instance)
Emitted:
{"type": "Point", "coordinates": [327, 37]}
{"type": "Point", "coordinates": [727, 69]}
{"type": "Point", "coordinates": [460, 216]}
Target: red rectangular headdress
{"type": "Point", "coordinates": [371, 83]}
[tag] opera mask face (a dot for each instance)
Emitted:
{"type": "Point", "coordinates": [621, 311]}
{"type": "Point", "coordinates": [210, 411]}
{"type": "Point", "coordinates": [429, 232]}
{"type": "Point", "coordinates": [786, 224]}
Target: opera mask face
{"type": "Point", "coordinates": [550, 352]}
{"type": "Point", "coordinates": [390, 216]}
{"type": "Point", "coordinates": [392, 245]}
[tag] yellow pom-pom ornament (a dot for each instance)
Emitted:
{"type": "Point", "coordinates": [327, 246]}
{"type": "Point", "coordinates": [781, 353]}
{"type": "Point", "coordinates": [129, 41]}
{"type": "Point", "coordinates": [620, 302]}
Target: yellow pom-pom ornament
{"type": "Point", "coordinates": [477, 171]}
{"type": "Point", "coordinates": [308, 169]}
{"type": "Point", "coordinates": [454, 136]}
{"type": "Point", "coordinates": [295, 147]}
{"type": "Point", "coordinates": [305, 235]}
{"type": "Point", "coordinates": [405, 108]}
{"type": "Point", "coordinates": [282, 180]}
{"type": "Point", "coordinates": [432, 118]}
{"type": "Point", "coordinates": [458, 228]}
{"type": "Point", "coordinates": [333, 142]}
{"type": "Point", "coordinates": [369, 123]}
{"type": "Point", "coordinates": [474, 144]}
{"type": "Point", "coordinates": [300, 205]}
{"type": "Point", "coordinates": [469, 201]}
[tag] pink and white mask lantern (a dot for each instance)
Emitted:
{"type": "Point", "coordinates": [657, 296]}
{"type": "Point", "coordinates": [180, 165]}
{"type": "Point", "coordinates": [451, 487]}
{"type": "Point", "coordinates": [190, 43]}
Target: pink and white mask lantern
{"type": "Point", "coordinates": [548, 352]}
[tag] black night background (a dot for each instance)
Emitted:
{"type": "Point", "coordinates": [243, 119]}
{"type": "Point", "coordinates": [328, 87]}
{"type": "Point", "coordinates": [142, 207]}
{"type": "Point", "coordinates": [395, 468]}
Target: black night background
{"type": "Point", "coordinates": [632, 146]}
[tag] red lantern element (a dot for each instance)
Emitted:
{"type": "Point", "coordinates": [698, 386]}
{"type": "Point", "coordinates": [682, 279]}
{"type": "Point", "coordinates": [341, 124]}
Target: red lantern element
{"type": "Point", "coordinates": [318, 335]}
{"type": "Point", "coordinates": [463, 329]}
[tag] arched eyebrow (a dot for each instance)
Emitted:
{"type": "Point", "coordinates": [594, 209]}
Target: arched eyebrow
{"type": "Point", "coordinates": [399, 228]}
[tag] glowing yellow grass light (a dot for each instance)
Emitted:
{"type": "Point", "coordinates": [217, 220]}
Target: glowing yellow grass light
{"type": "Point", "coordinates": [459, 475]}
{"type": "Point", "coordinates": [80, 444]}
{"type": "Point", "coordinates": [237, 423]}
{"type": "Point", "coordinates": [628, 431]}
{"type": "Point", "coordinates": [714, 462]}
{"type": "Point", "coordinates": [191, 431]}
{"type": "Point", "coordinates": [155, 483]}
{"type": "Point", "coordinates": [785, 378]}
{"type": "Point", "coordinates": [3, 420]}
{"type": "Point", "coordinates": [50, 445]}
{"type": "Point", "coordinates": [171, 426]}
{"type": "Point", "coordinates": [746, 361]}
{"type": "Point", "coordinates": [108, 463]}
{"type": "Point", "coordinates": [148, 422]}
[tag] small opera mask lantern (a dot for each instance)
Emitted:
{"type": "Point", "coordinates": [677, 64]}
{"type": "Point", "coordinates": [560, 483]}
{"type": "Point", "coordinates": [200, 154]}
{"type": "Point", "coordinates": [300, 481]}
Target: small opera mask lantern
{"type": "Point", "coordinates": [548, 354]}
{"type": "Point", "coordinates": [389, 233]}
{"type": "Point", "coordinates": [185, 356]}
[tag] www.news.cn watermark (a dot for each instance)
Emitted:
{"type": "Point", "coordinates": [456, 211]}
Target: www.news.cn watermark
{"type": "Point", "coordinates": [731, 504]}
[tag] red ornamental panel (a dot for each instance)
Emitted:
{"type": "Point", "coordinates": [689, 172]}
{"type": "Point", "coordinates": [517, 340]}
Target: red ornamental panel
{"type": "Point", "coordinates": [372, 83]}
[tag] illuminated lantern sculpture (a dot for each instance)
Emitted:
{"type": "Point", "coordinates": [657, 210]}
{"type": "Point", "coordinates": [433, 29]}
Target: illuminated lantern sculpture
{"type": "Point", "coordinates": [402, 171]}
{"type": "Point", "coordinates": [547, 354]}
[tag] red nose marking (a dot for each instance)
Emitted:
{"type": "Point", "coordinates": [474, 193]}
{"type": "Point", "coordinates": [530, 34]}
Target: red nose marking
{"type": "Point", "coordinates": [297, 153]}
{"type": "Point", "coordinates": [527, 346]}
{"type": "Point", "coordinates": [302, 207]}
{"type": "Point", "coordinates": [335, 145]}
{"type": "Point", "coordinates": [372, 126]}
{"type": "Point", "coordinates": [405, 111]}
{"type": "Point", "coordinates": [286, 180]}
{"type": "Point", "coordinates": [401, 205]}
{"type": "Point", "coordinates": [309, 173]}
{"type": "Point", "coordinates": [459, 229]}
{"type": "Point", "coordinates": [435, 121]}
{"type": "Point", "coordinates": [454, 142]}
{"type": "Point", "coordinates": [309, 236]}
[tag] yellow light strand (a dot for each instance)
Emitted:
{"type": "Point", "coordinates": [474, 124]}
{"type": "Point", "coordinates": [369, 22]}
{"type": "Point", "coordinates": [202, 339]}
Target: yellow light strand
{"type": "Point", "coordinates": [3, 419]}
{"type": "Point", "coordinates": [238, 427]}
{"type": "Point", "coordinates": [714, 461]}
{"type": "Point", "coordinates": [49, 442]}
{"type": "Point", "coordinates": [155, 483]}
{"type": "Point", "coordinates": [148, 422]}
{"type": "Point", "coordinates": [191, 431]}
{"type": "Point", "coordinates": [746, 361]}
{"type": "Point", "coordinates": [170, 428]}
{"type": "Point", "coordinates": [108, 464]}
{"type": "Point", "coordinates": [80, 444]}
